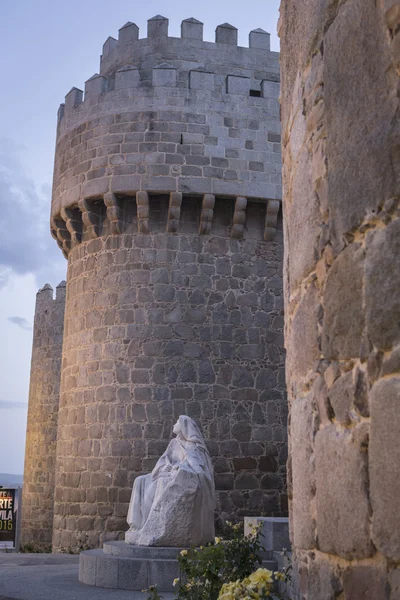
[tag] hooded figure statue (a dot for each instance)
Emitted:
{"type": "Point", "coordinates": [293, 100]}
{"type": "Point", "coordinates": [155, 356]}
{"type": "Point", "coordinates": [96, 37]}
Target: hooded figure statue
{"type": "Point", "coordinates": [174, 504]}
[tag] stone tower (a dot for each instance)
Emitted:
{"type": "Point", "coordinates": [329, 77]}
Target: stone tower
{"type": "Point", "coordinates": [41, 435]}
{"type": "Point", "coordinates": [166, 202]}
{"type": "Point", "coordinates": [340, 118]}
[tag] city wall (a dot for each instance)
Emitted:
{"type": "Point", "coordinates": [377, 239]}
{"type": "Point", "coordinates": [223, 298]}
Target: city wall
{"type": "Point", "coordinates": [340, 139]}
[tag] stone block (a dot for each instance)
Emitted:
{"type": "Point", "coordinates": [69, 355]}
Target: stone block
{"type": "Point", "coordinates": [164, 75]}
{"type": "Point", "coordinates": [323, 578]}
{"type": "Point", "coordinates": [342, 503]}
{"type": "Point", "coordinates": [384, 466]}
{"type": "Point", "coordinates": [133, 574]}
{"type": "Point", "coordinates": [109, 46]}
{"type": "Point", "coordinates": [382, 284]}
{"type": "Point", "coordinates": [364, 582]}
{"type": "Point", "coordinates": [95, 187]}
{"type": "Point", "coordinates": [274, 531]}
{"type": "Point", "coordinates": [258, 38]}
{"type": "Point", "coordinates": [128, 33]}
{"type": "Point", "coordinates": [163, 572]}
{"type": "Point", "coordinates": [226, 34]}
{"type": "Point", "coordinates": [344, 313]}
{"type": "Point", "coordinates": [158, 184]}
{"type": "Point", "coordinates": [87, 568]}
{"type": "Point", "coordinates": [106, 571]}
{"type": "Point", "coordinates": [303, 334]}
{"type": "Point", "coordinates": [95, 86]}
{"type": "Point", "coordinates": [157, 27]}
{"type": "Point", "coordinates": [238, 85]}
{"type": "Point", "coordinates": [127, 77]}
{"type": "Point", "coordinates": [270, 89]}
{"type": "Point", "coordinates": [303, 472]}
{"type": "Point", "coordinates": [201, 80]}
{"type": "Point", "coordinates": [341, 397]}
{"type": "Point", "coordinates": [395, 585]}
{"type": "Point", "coordinates": [360, 111]}
{"type": "Point", "coordinates": [73, 98]}
{"type": "Point", "coordinates": [192, 29]}
{"type": "Point", "coordinates": [302, 214]}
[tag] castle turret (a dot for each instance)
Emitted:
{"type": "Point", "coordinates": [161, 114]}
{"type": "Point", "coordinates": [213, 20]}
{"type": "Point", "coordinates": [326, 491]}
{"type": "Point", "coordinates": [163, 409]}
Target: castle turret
{"type": "Point", "coordinates": [41, 437]}
{"type": "Point", "coordinates": [166, 203]}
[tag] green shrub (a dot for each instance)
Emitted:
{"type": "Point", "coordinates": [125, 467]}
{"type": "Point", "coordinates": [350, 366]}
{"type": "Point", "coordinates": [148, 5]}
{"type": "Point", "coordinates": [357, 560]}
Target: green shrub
{"type": "Point", "coordinates": [227, 569]}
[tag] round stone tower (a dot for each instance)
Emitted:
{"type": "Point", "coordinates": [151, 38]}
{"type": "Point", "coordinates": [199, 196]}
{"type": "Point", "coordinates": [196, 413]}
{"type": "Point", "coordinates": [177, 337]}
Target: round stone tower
{"type": "Point", "coordinates": [166, 203]}
{"type": "Point", "coordinates": [41, 434]}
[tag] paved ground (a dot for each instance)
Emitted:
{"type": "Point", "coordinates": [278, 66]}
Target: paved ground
{"type": "Point", "coordinates": [52, 577]}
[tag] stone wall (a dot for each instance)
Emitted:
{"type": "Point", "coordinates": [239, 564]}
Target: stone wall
{"type": "Point", "coordinates": [340, 110]}
{"type": "Point", "coordinates": [166, 203]}
{"type": "Point", "coordinates": [159, 325]}
{"type": "Point", "coordinates": [41, 435]}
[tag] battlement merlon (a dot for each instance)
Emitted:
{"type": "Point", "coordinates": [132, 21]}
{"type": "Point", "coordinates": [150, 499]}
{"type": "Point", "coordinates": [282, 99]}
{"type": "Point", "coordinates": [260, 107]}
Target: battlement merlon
{"type": "Point", "coordinates": [45, 296]}
{"type": "Point", "coordinates": [121, 51]}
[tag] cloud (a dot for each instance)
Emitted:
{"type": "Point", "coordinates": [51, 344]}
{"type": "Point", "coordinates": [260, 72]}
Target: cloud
{"type": "Point", "coordinates": [6, 404]}
{"type": "Point", "coordinates": [26, 245]}
{"type": "Point", "coordinates": [21, 322]}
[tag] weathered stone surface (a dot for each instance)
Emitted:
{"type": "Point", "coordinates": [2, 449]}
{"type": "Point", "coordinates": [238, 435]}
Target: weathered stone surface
{"type": "Point", "coordinates": [340, 106]}
{"type": "Point", "coordinates": [341, 397]}
{"type": "Point", "coordinates": [303, 334]}
{"type": "Point", "coordinates": [302, 220]}
{"type": "Point", "coordinates": [303, 474]}
{"type": "Point", "coordinates": [341, 492]}
{"type": "Point", "coordinates": [360, 122]}
{"type": "Point", "coordinates": [384, 466]}
{"type": "Point", "coordinates": [344, 315]}
{"type": "Point", "coordinates": [41, 435]}
{"type": "Point", "coordinates": [395, 585]}
{"type": "Point", "coordinates": [361, 582]}
{"type": "Point", "coordinates": [323, 579]}
{"type": "Point", "coordinates": [382, 286]}
{"type": "Point", "coordinates": [158, 336]}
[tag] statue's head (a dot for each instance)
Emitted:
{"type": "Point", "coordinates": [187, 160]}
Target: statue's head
{"type": "Point", "coordinates": [177, 428]}
{"type": "Point", "coordinates": [186, 428]}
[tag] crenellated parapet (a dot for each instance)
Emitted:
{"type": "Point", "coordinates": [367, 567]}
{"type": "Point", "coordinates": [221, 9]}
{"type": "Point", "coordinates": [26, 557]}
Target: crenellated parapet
{"type": "Point", "coordinates": [190, 47]}
{"type": "Point", "coordinates": [168, 116]}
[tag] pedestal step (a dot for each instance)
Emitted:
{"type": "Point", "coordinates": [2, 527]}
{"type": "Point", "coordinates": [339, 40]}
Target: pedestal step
{"type": "Point", "coordinates": [125, 567]}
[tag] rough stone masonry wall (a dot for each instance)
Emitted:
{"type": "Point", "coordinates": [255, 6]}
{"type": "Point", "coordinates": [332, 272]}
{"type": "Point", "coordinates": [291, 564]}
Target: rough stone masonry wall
{"type": "Point", "coordinates": [157, 326]}
{"type": "Point", "coordinates": [165, 200]}
{"type": "Point", "coordinates": [340, 110]}
{"type": "Point", "coordinates": [41, 435]}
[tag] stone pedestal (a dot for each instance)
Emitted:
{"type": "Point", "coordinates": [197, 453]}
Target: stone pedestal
{"type": "Point", "coordinates": [126, 567]}
{"type": "Point", "coordinates": [274, 532]}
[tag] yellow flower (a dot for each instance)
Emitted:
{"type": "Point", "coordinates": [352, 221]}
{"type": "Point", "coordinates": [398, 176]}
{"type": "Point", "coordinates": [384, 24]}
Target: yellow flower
{"type": "Point", "coordinates": [175, 581]}
{"type": "Point", "coordinates": [217, 540]}
{"type": "Point", "coordinates": [183, 552]}
{"type": "Point", "coordinates": [262, 576]}
{"type": "Point", "coordinates": [279, 576]}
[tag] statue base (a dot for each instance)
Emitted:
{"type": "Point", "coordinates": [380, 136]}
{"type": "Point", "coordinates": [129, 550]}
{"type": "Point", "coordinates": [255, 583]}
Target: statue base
{"type": "Point", "coordinates": [126, 567]}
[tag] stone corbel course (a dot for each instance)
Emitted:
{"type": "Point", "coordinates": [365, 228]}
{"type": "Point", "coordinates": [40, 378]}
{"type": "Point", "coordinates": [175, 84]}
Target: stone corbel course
{"type": "Point", "coordinates": [87, 219]}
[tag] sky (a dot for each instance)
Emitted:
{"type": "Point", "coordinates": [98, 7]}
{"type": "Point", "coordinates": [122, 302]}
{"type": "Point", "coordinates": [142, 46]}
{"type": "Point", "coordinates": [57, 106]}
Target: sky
{"type": "Point", "coordinates": [50, 46]}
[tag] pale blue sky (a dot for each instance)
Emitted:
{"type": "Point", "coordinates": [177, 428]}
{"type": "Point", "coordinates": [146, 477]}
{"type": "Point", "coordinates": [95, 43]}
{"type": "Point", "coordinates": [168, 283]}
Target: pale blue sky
{"type": "Point", "coordinates": [49, 46]}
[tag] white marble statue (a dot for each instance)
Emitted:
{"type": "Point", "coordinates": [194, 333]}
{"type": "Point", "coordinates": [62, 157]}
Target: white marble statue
{"type": "Point", "coordinates": [174, 505]}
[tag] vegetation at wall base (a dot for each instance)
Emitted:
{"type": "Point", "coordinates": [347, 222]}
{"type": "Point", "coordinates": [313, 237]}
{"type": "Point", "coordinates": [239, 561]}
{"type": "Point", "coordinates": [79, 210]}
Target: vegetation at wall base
{"type": "Point", "coordinates": [227, 569]}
